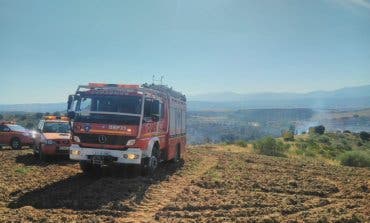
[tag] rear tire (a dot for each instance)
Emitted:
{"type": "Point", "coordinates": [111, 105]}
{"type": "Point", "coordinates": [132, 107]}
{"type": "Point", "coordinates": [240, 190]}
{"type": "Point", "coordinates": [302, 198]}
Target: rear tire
{"type": "Point", "coordinates": [177, 157]}
{"type": "Point", "coordinates": [16, 143]}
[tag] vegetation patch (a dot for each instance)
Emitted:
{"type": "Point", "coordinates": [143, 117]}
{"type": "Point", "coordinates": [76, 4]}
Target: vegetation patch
{"type": "Point", "coordinates": [270, 147]}
{"type": "Point", "coordinates": [23, 170]}
{"type": "Point", "coordinates": [355, 158]}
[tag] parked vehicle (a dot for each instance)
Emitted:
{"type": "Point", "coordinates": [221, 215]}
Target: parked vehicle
{"type": "Point", "coordinates": [127, 124]}
{"type": "Point", "coordinates": [53, 137]}
{"type": "Point", "coordinates": [15, 135]}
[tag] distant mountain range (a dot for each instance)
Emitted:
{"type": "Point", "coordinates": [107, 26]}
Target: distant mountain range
{"type": "Point", "coordinates": [348, 92]}
{"type": "Point", "coordinates": [344, 98]}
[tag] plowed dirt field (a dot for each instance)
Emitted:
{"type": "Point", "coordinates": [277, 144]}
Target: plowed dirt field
{"type": "Point", "coordinates": [213, 184]}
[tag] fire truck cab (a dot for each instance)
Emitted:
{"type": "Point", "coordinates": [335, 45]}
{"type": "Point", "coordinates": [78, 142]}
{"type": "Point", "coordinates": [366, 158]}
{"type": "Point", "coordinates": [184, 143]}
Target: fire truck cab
{"type": "Point", "coordinates": [53, 137]}
{"type": "Point", "coordinates": [126, 124]}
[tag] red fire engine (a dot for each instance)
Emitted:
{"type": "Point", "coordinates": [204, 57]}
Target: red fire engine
{"type": "Point", "coordinates": [126, 124]}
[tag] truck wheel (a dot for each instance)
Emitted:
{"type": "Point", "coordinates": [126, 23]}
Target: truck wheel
{"type": "Point", "coordinates": [36, 150]}
{"type": "Point", "coordinates": [16, 143]}
{"type": "Point", "coordinates": [43, 157]}
{"type": "Point", "coordinates": [86, 167]}
{"type": "Point", "coordinates": [177, 157]}
{"type": "Point", "coordinates": [151, 163]}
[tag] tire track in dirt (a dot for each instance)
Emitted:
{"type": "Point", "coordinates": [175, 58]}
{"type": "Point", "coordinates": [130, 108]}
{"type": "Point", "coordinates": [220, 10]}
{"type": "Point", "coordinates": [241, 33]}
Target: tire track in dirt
{"type": "Point", "coordinates": [160, 195]}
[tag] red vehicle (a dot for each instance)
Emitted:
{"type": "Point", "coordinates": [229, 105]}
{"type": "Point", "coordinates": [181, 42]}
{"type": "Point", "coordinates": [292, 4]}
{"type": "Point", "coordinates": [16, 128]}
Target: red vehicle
{"type": "Point", "coordinates": [127, 124]}
{"type": "Point", "coordinates": [53, 137]}
{"type": "Point", "coordinates": [14, 135]}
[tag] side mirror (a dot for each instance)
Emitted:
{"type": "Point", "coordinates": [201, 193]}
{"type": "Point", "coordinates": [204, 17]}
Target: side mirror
{"type": "Point", "coordinates": [70, 100]}
{"type": "Point", "coordinates": [71, 114]}
{"type": "Point", "coordinates": [155, 118]}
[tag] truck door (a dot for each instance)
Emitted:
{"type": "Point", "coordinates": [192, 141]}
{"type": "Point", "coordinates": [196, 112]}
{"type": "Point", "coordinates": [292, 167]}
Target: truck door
{"type": "Point", "coordinates": [151, 115]}
{"type": "Point", "coordinates": [5, 135]}
{"type": "Point", "coordinates": [162, 121]}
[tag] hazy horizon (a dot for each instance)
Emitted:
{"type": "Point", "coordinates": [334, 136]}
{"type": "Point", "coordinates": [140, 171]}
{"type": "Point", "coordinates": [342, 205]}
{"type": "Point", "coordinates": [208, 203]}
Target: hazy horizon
{"type": "Point", "coordinates": [48, 47]}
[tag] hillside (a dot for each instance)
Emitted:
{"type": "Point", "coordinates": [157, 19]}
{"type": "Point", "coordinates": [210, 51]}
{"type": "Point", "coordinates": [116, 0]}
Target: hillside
{"type": "Point", "coordinates": [215, 183]}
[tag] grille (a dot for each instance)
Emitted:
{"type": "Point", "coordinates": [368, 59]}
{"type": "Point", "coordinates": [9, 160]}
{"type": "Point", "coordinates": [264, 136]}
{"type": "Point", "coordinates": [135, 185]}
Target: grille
{"type": "Point", "coordinates": [110, 140]}
{"type": "Point", "coordinates": [62, 142]}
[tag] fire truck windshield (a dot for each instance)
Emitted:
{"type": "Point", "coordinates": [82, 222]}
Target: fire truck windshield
{"type": "Point", "coordinates": [117, 109]}
{"type": "Point", "coordinates": [109, 104]}
{"type": "Point", "coordinates": [56, 127]}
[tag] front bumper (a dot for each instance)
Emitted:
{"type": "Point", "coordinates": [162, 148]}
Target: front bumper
{"type": "Point", "coordinates": [27, 141]}
{"type": "Point", "coordinates": [52, 149]}
{"type": "Point", "coordinates": [129, 156]}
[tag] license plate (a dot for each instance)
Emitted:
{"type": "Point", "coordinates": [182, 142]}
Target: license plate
{"type": "Point", "coordinates": [63, 148]}
{"type": "Point", "coordinates": [98, 160]}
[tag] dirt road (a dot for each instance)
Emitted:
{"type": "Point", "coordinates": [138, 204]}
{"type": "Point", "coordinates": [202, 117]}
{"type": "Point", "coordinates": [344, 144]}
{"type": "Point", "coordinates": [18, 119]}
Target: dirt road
{"type": "Point", "coordinates": [214, 184]}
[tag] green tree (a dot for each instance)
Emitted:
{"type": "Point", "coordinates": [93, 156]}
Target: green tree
{"type": "Point", "coordinates": [320, 129]}
{"type": "Point", "coordinates": [288, 136]}
{"type": "Point", "coordinates": [365, 136]}
{"type": "Point", "coordinates": [38, 115]}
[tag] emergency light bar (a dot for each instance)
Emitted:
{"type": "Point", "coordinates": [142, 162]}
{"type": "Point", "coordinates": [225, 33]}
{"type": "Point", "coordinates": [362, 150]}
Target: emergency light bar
{"type": "Point", "coordinates": [53, 117]}
{"type": "Point", "coordinates": [102, 85]}
{"type": "Point", "coordinates": [7, 122]}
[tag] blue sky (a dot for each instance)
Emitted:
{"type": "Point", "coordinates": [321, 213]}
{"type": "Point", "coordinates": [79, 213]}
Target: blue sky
{"type": "Point", "coordinates": [47, 47]}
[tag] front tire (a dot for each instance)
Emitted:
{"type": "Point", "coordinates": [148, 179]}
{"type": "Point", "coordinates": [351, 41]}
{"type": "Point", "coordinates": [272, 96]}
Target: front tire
{"type": "Point", "coordinates": [16, 143]}
{"type": "Point", "coordinates": [36, 150]}
{"type": "Point", "coordinates": [42, 156]}
{"type": "Point", "coordinates": [151, 163]}
{"type": "Point", "coordinates": [87, 168]}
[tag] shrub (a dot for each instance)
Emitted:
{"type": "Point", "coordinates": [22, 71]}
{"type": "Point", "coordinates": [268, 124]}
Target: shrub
{"type": "Point", "coordinates": [270, 147]}
{"type": "Point", "coordinates": [288, 136]}
{"type": "Point", "coordinates": [365, 136]}
{"type": "Point", "coordinates": [355, 158]}
{"type": "Point", "coordinates": [242, 143]}
{"type": "Point", "coordinates": [324, 139]}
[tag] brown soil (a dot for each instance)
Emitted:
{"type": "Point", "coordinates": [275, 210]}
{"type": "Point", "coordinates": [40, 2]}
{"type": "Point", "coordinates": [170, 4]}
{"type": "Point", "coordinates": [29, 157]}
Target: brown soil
{"type": "Point", "coordinates": [214, 184]}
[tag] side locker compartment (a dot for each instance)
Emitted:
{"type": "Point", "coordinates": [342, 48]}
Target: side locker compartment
{"type": "Point", "coordinates": [173, 128]}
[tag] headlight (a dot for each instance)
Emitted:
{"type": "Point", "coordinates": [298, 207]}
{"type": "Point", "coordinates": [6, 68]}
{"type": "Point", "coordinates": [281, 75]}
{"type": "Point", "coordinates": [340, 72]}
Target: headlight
{"type": "Point", "coordinates": [75, 152]}
{"type": "Point", "coordinates": [131, 142]}
{"type": "Point", "coordinates": [34, 134]}
{"type": "Point", "coordinates": [76, 139]}
{"type": "Point", "coordinates": [49, 142]}
{"type": "Point", "coordinates": [26, 134]}
{"type": "Point", "coordinates": [130, 156]}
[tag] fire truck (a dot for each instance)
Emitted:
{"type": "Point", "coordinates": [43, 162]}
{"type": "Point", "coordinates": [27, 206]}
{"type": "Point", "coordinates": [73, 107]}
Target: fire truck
{"type": "Point", "coordinates": [52, 138]}
{"type": "Point", "coordinates": [115, 124]}
{"type": "Point", "coordinates": [14, 135]}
